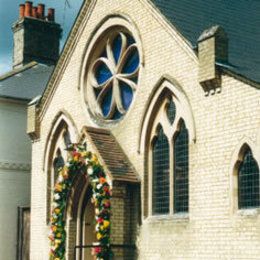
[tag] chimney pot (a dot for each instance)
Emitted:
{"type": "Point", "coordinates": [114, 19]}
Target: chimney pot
{"type": "Point", "coordinates": [51, 14]}
{"type": "Point", "coordinates": [40, 11]}
{"type": "Point", "coordinates": [32, 33]}
{"type": "Point", "coordinates": [34, 12]}
{"type": "Point", "coordinates": [28, 9]}
{"type": "Point", "coordinates": [21, 10]}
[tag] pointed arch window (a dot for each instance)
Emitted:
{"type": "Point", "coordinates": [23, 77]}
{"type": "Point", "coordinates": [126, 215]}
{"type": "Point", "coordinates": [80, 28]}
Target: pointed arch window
{"type": "Point", "coordinates": [60, 155]}
{"type": "Point", "coordinates": [248, 182]}
{"type": "Point", "coordinates": [169, 160]}
{"type": "Point", "coordinates": [161, 174]}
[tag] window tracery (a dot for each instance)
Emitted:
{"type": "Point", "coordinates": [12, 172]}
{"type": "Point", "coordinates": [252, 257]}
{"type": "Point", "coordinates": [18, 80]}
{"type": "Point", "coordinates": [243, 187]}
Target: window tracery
{"type": "Point", "coordinates": [113, 75]}
{"type": "Point", "coordinates": [169, 160]}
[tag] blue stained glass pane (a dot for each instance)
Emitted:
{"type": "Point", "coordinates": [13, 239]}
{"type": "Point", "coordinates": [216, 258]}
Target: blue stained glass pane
{"type": "Point", "coordinates": [130, 40]}
{"type": "Point", "coordinates": [117, 45]}
{"type": "Point", "coordinates": [106, 102]}
{"type": "Point", "coordinates": [132, 62]}
{"type": "Point", "coordinates": [117, 114]}
{"type": "Point", "coordinates": [126, 95]}
{"type": "Point", "coordinates": [171, 111]}
{"type": "Point", "coordinates": [134, 79]}
{"type": "Point", "coordinates": [102, 73]}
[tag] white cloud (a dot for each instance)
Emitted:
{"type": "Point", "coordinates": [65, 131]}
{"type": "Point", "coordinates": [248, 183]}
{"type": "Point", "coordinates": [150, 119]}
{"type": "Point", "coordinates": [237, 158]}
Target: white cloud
{"type": "Point", "coordinates": [5, 65]}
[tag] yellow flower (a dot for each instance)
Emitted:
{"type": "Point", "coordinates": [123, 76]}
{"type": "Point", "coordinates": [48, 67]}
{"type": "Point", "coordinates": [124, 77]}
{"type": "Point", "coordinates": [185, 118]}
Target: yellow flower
{"type": "Point", "coordinates": [58, 187]}
{"type": "Point", "coordinates": [65, 175]}
{"type": "Point", "coordinates": [54, 228]}
{"type": "Point", "coordinates": [99, 236]}
{"type": "Point", "coordinates": [57, 241]}
{"type": "Point", "coordinates": [59, 235]}
{"type": "Point", "coordinates": [57, 258]}
{"type": "Point", "coordinates": [84, 154]}
{"type": "Point", "coordinates": [94, 158]}
{"type": "Point", "coordinates": [57, 210]}
{"type": "Point", "coordinates": [106, 223]}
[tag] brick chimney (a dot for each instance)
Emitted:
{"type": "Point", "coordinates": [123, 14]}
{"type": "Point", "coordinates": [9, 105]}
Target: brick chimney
{"type": "Point", "coordinates": [36, 35]}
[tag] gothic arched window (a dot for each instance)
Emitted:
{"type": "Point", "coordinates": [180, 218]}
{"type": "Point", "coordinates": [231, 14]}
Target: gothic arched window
{"type": "Point", "coordinates": [169, 164]}
{"type": "Point", "coordinates": [248, 182]}
{"type": "Point", "coordinates": [161, 191]}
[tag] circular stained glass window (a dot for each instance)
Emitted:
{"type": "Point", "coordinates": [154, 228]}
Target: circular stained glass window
{"type": "Point", "coordinates": [113, 76]}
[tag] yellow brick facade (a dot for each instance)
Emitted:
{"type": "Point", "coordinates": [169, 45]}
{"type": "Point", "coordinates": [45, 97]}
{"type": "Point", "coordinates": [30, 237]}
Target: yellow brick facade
{"type": "Point", "coordinates": [222, 121]}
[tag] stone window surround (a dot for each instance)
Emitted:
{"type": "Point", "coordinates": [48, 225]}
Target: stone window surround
{"type": "Point", "coordinates": [236, 160]}
{"type": "Point", "coordinates": [121, 23]}
{"type": "Point", "coordinates": [155, 113]}
{"type": "Point", "coordinates": [170, 131]}
{"type": "Point", "coordinates": [61, 123]}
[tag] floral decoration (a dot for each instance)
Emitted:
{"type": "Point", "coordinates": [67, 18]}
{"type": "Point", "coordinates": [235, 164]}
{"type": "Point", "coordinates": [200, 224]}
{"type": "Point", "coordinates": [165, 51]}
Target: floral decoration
{"type": "Point", "coordinates": [81, 162]}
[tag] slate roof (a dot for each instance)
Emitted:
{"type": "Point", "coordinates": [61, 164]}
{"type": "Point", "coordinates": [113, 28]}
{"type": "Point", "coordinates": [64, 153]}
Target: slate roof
{"type": "Point", "coordinates": [25, 83]}
{"type": "Point", "coordinates": [239, 18]}
{"type": "Point", "coordinates": [112, 155]}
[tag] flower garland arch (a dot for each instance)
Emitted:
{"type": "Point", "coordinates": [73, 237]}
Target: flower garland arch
{"type": "Point", "coordinates": [81, 161]}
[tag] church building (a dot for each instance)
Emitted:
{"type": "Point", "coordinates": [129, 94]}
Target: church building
{"type": "Point", "coordinates": [165, 96]}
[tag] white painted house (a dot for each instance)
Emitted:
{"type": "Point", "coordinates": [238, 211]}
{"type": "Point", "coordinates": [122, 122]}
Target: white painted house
{"type": "Point", "coordinates": [32, 66]}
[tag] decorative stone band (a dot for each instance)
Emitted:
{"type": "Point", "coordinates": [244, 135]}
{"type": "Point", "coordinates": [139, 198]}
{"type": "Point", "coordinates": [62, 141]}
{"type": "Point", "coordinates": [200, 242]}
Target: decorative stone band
{"type": "Point", "coordinates": [4, 165]}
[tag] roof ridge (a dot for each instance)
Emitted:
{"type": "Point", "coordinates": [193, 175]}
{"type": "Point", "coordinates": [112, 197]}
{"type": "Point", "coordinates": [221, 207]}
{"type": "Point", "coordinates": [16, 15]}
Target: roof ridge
{"type": "Point", "coordinates": [97, 130]}
{"type": "Point", "coordinates": [18, 70]}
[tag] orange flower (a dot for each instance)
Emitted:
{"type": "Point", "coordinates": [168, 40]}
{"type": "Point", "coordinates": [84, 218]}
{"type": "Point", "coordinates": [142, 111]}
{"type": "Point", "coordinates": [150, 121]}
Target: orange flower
{"type": "Point", "coordinates": [54, 228]}
{"type": "Point", "coordinates": [65, 175]}
{"type": "Point", "coordinates": [58, 187]}
{"type": "Point", "coordinates": [102, 180]}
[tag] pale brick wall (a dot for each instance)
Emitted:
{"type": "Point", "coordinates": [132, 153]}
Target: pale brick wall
{"type": "Point", "coordinates": [211, 231]}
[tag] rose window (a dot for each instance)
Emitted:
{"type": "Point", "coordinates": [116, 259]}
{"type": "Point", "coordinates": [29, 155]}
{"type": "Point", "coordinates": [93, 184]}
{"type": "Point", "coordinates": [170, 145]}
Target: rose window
{"type": "Point", "coordinates": [113, 76]}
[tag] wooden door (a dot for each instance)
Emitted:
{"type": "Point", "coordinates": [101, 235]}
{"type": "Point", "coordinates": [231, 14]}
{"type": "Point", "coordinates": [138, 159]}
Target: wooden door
{"type": "Point", "coordinates": [89, 235]}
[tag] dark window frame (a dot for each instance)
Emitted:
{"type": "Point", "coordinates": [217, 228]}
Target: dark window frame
{"type": "Point", "coordinates": [248, 182]}
{"type": "Point", "coordinates": [181, 170]}
{"type": "Point", "coordinates": [160, 189]}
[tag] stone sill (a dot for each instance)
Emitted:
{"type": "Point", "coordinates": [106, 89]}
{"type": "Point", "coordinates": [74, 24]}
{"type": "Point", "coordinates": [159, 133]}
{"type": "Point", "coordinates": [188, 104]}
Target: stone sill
{"type": "Point", "coordinates": [178, 217]}
{"type": "Point", "coordinates": [254, 212]}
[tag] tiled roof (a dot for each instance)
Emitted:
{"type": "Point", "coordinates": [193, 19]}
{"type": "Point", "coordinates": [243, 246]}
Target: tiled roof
{"type": "Point", "coordinates": [240, 20]}
{"type": "Point", "coordinates": [26, 82]}
{"type": "Point", "coordinates": [112, 155]}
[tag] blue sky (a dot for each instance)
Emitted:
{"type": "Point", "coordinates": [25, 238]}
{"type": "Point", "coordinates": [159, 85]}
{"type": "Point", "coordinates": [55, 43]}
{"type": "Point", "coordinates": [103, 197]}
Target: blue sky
{"type": "Point", "coordinates": [9, 13]}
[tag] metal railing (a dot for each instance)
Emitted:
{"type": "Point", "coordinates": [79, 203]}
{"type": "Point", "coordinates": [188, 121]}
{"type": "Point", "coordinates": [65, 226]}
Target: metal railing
{"type": "Point", "coordinates": [116, 252]}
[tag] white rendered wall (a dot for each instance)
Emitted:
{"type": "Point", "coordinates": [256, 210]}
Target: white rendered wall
{"type": "Point", "coordinates": [15, 154]}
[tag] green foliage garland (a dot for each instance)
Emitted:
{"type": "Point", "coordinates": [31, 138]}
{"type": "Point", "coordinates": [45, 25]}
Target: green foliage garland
{"type": "Point", "coordinates": [81, 162]}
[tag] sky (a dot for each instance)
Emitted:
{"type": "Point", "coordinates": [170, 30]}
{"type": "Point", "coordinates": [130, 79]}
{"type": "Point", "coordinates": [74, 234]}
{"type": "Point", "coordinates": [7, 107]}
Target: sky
{"type": "Point", "coordinates": [65, 14]}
